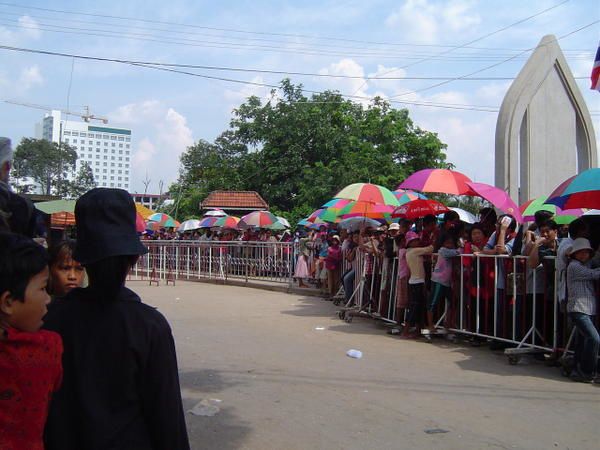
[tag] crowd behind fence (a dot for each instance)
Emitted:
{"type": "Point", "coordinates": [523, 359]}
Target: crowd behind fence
{"type": "Point", "coordinates": [493, 297]}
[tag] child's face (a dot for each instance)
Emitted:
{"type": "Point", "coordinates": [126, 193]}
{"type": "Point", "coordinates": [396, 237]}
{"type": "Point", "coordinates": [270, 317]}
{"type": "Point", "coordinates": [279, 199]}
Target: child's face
{"type": "Point", "coordinates": [477, 236]}
{"type": "Point", "coordinates": [66, 275]}
{"type": "Point", "coordinates": [26, 315]}
{"type": "Point", "coordinates": [448, 243]}
{"type": "Point", "coordinates": [583, 256]}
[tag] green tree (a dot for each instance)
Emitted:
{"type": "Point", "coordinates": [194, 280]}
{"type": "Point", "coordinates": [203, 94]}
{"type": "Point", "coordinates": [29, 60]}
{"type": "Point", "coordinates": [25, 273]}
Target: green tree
{"type": "Point", "coordinates": [46, 163]}
{"type": "Point", "coordinates": [298, 151]}
{"type": "Point", "coordinates": [83, 182]}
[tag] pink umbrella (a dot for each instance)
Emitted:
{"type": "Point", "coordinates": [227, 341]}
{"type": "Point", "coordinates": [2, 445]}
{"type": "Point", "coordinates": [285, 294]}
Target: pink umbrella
{"type": "Point", "coordinates": [497, 197]}
{"type": "Point", "coordinates": [443, 181]}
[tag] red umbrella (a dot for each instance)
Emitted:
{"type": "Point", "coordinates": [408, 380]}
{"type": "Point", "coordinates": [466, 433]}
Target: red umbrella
{"type": "Point", "coordinates": [443, 181]}
{"type": "Point", "coordinates": [419, 208]}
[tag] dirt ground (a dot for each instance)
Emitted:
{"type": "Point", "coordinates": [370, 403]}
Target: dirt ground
{"type": "Point", "coordinates": [260, 362]}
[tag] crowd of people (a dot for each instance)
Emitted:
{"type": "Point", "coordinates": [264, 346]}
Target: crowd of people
{"type": "Point", "coordinates": [219, 235]}
{"type": "Point", "coordinates": [418, 265]}
{"type": "Point", "coordinates": [81, 367]}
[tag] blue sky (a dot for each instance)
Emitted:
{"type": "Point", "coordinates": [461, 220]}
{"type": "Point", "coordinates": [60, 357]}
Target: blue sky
{"type": "Point", "coordinates": [169, 111]}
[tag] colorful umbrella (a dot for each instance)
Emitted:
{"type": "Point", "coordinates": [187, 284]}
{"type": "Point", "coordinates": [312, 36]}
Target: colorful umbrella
{"type": "Point", "coordinates": [357, 223]}
{"type": "Point", "coordinates": [258, 219]}
{"type": "Point", "coordinates": [159, 217]}
{"type": "Point", "coordinates": [419, 208]}
{"type": "Point", "coordinates": [283, 221]}
{"type": "Point", "coordinates": [530, 207]}
{"type": "Point", "coordinates": [443, 181]}
{"type": "Point", "coordinates": [325, 214]}
{"type": "Point", "coordinates": [579, 191]}
{"type": "Point", "coordinates": [208, 222]}
{"type": "Point", "coordinates": [337, 203]}
{"type": "Point", "coordinates": [153, 226]}
{"type": "Point", "coordinates": [227, 222]}
{"type": "Point", "coordinates": [406, 195]}
{"type": "Point", "coordinates": [143, 211]}
{"type": "Point", "coordinates": [215, 213]}
{"type": "Point", "coordinates": [497, 197]}
{"type": "Point", "coordinates": [189, 225]}
{"type": "Point", "coordinates": [140, 225]}
{"type": "Point", "coordinates": [565, 217]}
{"type": "Point", "coordinates": [465, 216]}
{"type": "Point", "coordinates": [366, 209]}
{"type": "Point", "coordinates": [367, 192]}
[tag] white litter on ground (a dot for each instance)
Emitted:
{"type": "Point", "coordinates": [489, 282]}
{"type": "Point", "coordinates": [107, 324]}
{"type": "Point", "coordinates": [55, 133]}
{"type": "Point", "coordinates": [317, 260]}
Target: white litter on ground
{"type": "Point", "coordinates": [206, 408]}
{"type": "Point", "coordinates": [352, 353]}
{"type": "Point", "coordinates": [319, 328]}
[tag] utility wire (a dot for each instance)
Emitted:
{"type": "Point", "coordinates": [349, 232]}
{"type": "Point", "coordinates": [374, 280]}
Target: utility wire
{"type": "Point", "coordinates": [251, 70]}
{"type": "Point", "coordinates": [442, 83]}
{"type": "Point", "coordinates": [241, 46]}
{"type": "Point", "coordinates": [485, 36]}
{"type": "Point", "coordinates": [71, 12]}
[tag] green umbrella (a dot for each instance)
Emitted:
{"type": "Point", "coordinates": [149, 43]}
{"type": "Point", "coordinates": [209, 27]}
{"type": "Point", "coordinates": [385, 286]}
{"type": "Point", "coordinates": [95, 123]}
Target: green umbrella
{"type": "Point", "coordinates": [56, 206]}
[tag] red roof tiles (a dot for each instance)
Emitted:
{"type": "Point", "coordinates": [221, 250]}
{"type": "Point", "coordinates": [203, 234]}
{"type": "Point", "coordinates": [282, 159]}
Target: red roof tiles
{"type": "Point", "coordinates": [234, 200]}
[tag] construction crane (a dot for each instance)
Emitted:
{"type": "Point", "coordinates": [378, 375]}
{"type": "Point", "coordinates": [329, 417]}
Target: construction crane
{"type": "Point", "coordinates": [86, 116]}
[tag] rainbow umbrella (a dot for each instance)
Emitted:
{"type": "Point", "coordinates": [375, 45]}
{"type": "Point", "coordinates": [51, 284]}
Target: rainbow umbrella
{"type": "Point", "coordinates": [189, 225]}
{"type": "Point", "coordinates": [565, 217]}
{"type": "Point", "coordinates": [367, 192]}
{"type": "Point", "coordinates": [258, 219]}
{"type": "Point", "coordinates": [530, 207]}
{"type": "Point", "coordinates": [366, 209]}
{"type": "Point", "coordinates": [208, 222]}
{"type": "Point", "coordinates": [442, 181]}
{"type": "Point", "coordinates": [419, 208]}
{"type": "Point", "coordinates": [337, 203]}
{"type": "Point", "coordinates": [497, 197]}
{"type": "Point", "coordinates": [325, 214]}
{"type": "Point", "coordinates": [406, 195]}
{"type": "Point", "coordinates": [227, 222]}
{"type": "Point", "coordinates": [579, 191]}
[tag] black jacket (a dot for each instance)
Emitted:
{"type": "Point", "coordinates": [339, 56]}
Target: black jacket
{"type": "Point", "coordinates": [121, 386]}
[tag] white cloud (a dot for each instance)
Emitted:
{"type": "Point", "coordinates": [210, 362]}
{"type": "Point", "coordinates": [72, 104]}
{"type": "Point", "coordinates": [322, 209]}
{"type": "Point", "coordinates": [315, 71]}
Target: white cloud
{"type": "Point", "coordinates": [350, 86]}
{"type": "Point", "coordinates": [30, 77]}
{"type": "Point", "coordinates": [28, 29]}
{"type": "Point", "coordinates": [426, 21]}
{"type": "Point", "coordinates": [389, 85]}
{"type": "Point", "coordinates": [160, 135]}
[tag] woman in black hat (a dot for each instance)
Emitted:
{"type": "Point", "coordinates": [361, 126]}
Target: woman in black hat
{"type": "Point", "coordinates": [121, 386]}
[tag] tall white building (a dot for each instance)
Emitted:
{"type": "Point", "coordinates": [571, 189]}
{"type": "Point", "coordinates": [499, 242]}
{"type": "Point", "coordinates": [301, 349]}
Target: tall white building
{"type": "Point", "coordinates": [107, 150]}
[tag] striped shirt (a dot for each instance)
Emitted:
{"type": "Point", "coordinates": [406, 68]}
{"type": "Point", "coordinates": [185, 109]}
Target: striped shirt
{"type": "Point", "coordinates": [580, 284]}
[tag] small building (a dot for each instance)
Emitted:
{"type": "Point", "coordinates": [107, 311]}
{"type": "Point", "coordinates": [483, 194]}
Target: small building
{"type": "Point", "coordinates": [237, 203]}
{"type": "Point", "coordinates": [151, 201]}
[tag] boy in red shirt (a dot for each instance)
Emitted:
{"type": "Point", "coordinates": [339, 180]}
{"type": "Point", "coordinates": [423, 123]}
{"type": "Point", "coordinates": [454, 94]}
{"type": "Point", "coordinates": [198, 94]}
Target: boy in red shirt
{"type": "Point", "coordinates": [30, 358]}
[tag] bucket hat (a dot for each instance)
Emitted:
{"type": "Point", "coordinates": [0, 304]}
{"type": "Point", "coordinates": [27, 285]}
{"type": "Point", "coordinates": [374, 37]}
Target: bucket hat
{"type": "Point", "coordinates": [580, 244]}
{"type": "Point", "coordinates": [410, 236]}
{"type": "Point", "coordinates": [394, 226]}
{"type": "Point", "coordinates": [105, 220]}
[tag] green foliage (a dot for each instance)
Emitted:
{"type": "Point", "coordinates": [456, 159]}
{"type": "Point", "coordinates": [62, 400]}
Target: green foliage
{"type": "Point", "coordinates": [46, 163]}
{"type": "Point", "coordinates": [83, 182]}
{"type": "Point", "coordinates": [297, 152]}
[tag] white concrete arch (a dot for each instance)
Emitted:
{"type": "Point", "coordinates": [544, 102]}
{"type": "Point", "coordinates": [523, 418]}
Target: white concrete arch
{"type": "Point", "coordinates": [544, 132]}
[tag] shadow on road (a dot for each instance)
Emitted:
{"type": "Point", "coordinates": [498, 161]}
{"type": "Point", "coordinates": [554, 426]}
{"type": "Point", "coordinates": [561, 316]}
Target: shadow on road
{"type": "Point", "coordinates": [224, 430]}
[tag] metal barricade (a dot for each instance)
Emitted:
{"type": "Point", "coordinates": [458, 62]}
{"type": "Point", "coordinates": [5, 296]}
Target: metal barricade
{"type": "Point", "coordinates": [271, 262]}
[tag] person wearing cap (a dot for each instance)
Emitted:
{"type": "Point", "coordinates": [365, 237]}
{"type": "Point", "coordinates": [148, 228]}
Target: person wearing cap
{"type": "Point", "coordinates": [121, 385]}
{"type": "Point", "coordinates": [582, 309]}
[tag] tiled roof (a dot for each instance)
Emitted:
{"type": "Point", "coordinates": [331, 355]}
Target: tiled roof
{"type": "Point", "coordinates": [234, 200]}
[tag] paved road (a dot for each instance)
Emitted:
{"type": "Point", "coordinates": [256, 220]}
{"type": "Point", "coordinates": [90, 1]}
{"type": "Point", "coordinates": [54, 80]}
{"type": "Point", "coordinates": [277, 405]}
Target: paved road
{"type": "Point", "coordinates": [283, 384]}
